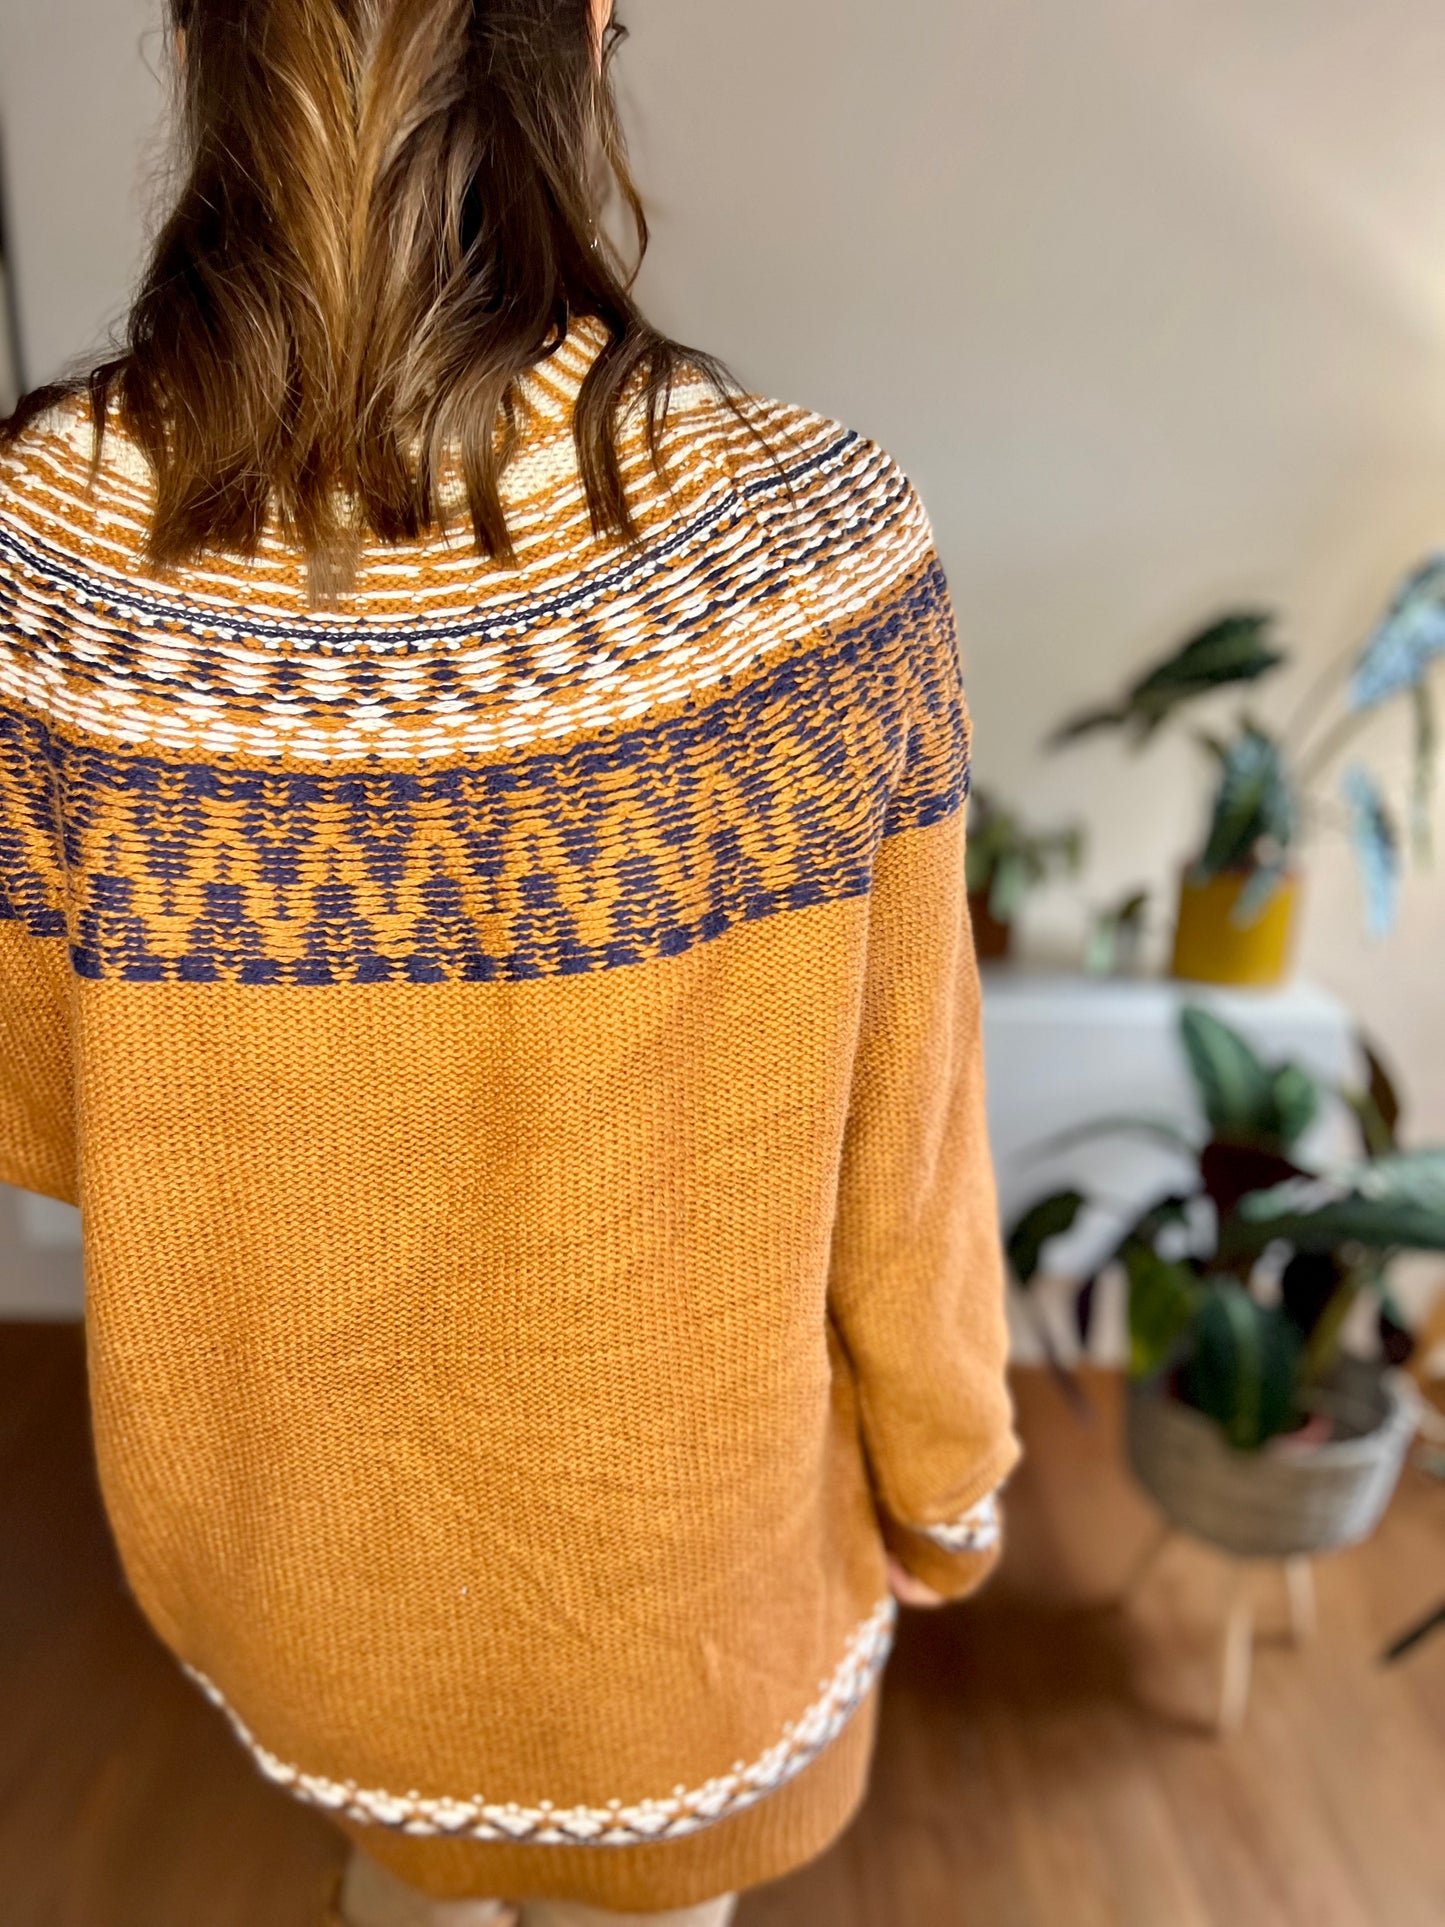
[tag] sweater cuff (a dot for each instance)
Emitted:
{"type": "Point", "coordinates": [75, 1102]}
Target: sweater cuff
{"type": "Point", "coordinates": [977, 1530]}
{"type": "Point", "coordinates": [953, 1556]}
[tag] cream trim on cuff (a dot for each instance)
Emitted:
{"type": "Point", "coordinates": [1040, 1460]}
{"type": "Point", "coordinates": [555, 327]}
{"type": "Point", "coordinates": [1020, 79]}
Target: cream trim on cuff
{"type": "Point", "coordinates": [978, 1530]}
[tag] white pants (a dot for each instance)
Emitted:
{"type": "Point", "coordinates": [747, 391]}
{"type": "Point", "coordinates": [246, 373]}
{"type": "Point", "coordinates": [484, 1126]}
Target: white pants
{"type": "Point", "coordinates": [373, 1897]}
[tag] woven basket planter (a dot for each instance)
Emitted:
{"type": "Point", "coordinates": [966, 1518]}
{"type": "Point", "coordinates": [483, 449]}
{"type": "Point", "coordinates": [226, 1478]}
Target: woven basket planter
{"type": "Point", "coordinates": [1287, 1501]}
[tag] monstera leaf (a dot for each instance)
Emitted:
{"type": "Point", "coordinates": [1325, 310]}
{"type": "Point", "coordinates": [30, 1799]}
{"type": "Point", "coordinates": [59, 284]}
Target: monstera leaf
{"type": "Point", "coordinates": [1247, 1101]}
{"type": "Point", "coordinates": [1395, 1202]}
{"type": "Point", "coordinates": [1050, 1218]}
{"type": "Point", "coordinates": [1376, 1108]}
{"type": "Point", "coordinates": [1243, 1371]}
{"type": "Point", "coordinates": [1232, 1171]}
{"type": "Point", "coordinates": [1308, 1286]}
{"type": "Point", "coordinates": [1235, 649]}
{"type": "Point", "coordinates": [1254, 818]}
{"type": "Point", "coordinates": [1163, 1295]}
{"type": "Point", "coordinates": [1294, 1102]}
{"type": "Point", "coordinates": [1004, 859]}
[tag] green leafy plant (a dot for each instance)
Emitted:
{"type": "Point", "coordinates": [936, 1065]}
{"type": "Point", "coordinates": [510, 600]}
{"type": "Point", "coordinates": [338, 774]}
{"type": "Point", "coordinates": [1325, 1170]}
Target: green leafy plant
{"type": "Point", "coordinates": [1116, 937]}
{"type": "Point", "coordinates": [1235, 649]}
{"type": "Point", "coordinates": [1240, 1283]}
{"type": "Point", "coordinates": [1005, 859]}
{"type": "Point", "coordinates": [1268, 784]}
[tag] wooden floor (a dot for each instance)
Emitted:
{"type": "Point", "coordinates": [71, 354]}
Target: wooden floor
{"type": "Point", "coordinates": [1043, 1759]}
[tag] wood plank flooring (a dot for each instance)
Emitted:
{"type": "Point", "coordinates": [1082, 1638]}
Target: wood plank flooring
{"type": "Point", "coordinates": [1043, 1759]}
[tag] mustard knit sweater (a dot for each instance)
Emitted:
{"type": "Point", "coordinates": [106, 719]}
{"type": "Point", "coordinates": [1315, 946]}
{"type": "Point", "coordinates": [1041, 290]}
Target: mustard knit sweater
{"type": "Point", "coordinates": [514, 1040]}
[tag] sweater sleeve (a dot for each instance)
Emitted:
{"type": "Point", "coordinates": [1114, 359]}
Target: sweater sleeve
{"type": "Point", "coordinates": [916, 1280]}
{"type": "Point", "coordinates": [37, 1130]}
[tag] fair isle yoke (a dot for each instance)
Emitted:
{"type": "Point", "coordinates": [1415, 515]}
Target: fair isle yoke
{"type": "Point", "coordinates": [514, 1039]}
{"type": "Point", "coordinates": [424, 797]}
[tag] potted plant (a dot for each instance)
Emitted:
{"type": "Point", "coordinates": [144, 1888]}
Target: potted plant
{"type": "Point", "coordinates": [1237, 899]}
{"type": "Point", "coordinates": [1005, 860]}
{"type": "Point", "coordinates": [1247, 1422]}
{"type": "Point", "coordinates": [1116, 937]}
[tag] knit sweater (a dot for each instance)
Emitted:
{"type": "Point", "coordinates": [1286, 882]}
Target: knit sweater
{"type": "Point", "coordinates": [514, 1040]}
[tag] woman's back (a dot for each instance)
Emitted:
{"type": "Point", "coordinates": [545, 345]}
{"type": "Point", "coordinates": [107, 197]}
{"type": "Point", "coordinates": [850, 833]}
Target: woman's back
{"type": "Point", "coordinates": [512, 1033]}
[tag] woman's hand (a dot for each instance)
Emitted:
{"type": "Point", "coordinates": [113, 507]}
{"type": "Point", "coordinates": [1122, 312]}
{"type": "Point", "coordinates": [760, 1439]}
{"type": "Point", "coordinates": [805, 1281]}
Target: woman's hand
{"type": "Point", "coordinates": [909, 1591]}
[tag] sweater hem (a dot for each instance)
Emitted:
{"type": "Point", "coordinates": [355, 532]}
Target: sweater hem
{"type": "Point", "coordinates": [618, 1823]}
{"type": "Point", "coordinates": [782, 1832]}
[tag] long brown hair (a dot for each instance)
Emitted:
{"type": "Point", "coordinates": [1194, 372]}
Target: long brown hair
{"type": "Point", "coordinates": [390, 212]}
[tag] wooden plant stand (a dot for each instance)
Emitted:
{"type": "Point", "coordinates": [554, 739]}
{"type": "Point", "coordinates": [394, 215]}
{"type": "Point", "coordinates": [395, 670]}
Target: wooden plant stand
{"type": "Point", "coordinates": [1236, 1640]}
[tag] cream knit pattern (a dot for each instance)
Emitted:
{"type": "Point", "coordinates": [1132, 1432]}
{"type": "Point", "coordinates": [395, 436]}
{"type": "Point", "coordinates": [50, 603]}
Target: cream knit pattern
{"type": "Point", "coordinates": [514, 1039]}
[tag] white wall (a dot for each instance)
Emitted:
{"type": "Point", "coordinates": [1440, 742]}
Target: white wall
{"type": "Point", "coordinates": [1148, 295]}
{"type": "Point", "coordinates": [79, 103]}
{"type": "Point", "coordinates": [1149, 298]}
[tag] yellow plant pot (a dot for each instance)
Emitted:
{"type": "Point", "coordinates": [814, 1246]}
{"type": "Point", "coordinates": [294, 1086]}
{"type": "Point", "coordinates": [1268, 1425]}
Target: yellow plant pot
{"type": "Point", "coordinates": [1211, 948]}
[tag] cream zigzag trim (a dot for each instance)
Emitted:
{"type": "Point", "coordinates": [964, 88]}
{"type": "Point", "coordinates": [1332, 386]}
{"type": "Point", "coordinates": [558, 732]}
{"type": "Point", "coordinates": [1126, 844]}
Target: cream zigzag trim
{"type": "Point", "coordinates": [978, 1530]}
{"type": "Point", "coordinates": [686, 1810]}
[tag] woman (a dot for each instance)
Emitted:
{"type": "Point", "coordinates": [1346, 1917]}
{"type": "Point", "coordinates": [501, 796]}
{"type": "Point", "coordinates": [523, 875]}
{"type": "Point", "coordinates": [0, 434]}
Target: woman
{"type": "Point", "coordinates": [484, 941]}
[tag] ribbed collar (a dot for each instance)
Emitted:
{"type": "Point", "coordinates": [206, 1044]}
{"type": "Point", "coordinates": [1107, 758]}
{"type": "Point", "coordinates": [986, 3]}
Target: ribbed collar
{"type": "Point", "coordinates": [550, 389]}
